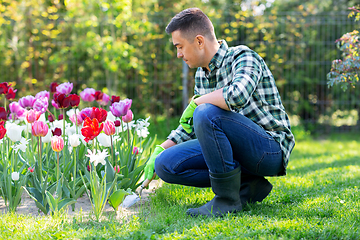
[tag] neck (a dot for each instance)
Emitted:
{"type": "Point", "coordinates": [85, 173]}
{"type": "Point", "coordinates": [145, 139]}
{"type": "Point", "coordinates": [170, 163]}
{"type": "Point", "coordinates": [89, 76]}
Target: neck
{"type": "Point", "coordinates": [212, 50]}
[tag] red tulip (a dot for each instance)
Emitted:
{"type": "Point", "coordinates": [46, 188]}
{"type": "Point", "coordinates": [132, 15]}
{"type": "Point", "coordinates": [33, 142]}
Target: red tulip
{"type": "Point", "coordinates": [74, 100]}
{"type": "Point", "coordinates": [57, 143]}
{"type": "Point", "coordinates": [115, 99]}
{"type": "Point", "coordinates": [56, 132]}
{"type": "Point", "coordinates": [117, 123]}
{"type": "Point", "coordinates": [61, 100]}
{"type": "Point", "coordinates": [117, 168]}
{"type": "Point", "coordinates": [11, 94]}
{"type": "Point", "coordinates": [98, 113]}
{"type": "Point", "coordinates": [51, 118]}
{"type": "Point", "coordinates": [53, 86]}
{"type": "Point", "coordinates": [39, 129]}
{"type": "Point", "coordinates": [4, 88]}
{"type": "Point", "coordinates": [91, 129]}
{"type": "Point", "coordinates": [30, 169]}
{"type": "Point", "coordinates": [61, 117]}
{"type": "Point", "coordinates": [135, 150]}
{"type": "Point", "coordinates": [3, 114]}
{"type": "Point", "coordinates": [2, 131]}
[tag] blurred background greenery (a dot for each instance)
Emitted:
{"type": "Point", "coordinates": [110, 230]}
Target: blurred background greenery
{"type": "Point", "coordinates": [120, 47]}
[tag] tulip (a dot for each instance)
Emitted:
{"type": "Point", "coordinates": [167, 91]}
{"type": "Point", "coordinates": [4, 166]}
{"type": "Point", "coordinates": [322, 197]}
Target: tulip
{"type": "Point", "coordinates": [128, 117]}
{"type": "Point", "coordinates": [74, 100]}
{"type": "Point", "coordinates": [41, 104]}
{"type": "Point", "coordinates": [56, 132]}
{"type": "Point", "coordinates": [135, 150]}
{"type": "Point", "coordinates": [3, 114]}
{"type": "Point", "coordinates": [105, 100]}
{"type": "Point", "coordinates": [39, 129]}
{"type": "Point", "coordinates": [87, 94]}
{"type": "Point", "coordinates": [61, 100]}
{"type": "Point", "coordinates": [16, 110]}
{"type": "Point", "coordinates": [74, 140]}
{"type": "Point", "coordinates": [2, 131]}
{"type": "Point", "coordinates": [27, 102]}
{"type": "Point", "coordinates": [117, 123]}
{"type": "Point", "coordinates": [64, 88]}
{"type": "Point", "coordinates": [47, 138]}
{"type": "Point", "coordinates": [57, 143]}
{"type": "Point", "coordinates": [109, 128]}
{"type": "Point", "coordinates": [115, 99]}
{"type": "Point", "coordinates": [32, 115]}
{"type": "Point", "coordinates": [53, 87]}
{"type": "Point", "coordinates": [86, 112]}
{"type": "Point", "coordinates": [117, 168]}
{"type": "Point", "coordinates": [51, 118]}
{"type": "Point", "coordinates": [4, 88]}
{"type": "Point", "coordinates": [98, 113]}
{"type": "Point", "coordinates": [121, 108]}
{"type": "Point", "coordinates": [104, 140]}
{"type": "Point", "coordinates": [11, 94]}
{"type": "Point", "coordinates": [43, 94]}
{"type": "Point", "coordinates": [30, 169]}
{"type": "Point", "coordinates": [14, 131]}
{"type": "Point", "coordinates": [91, 129]}
{"type": "Point", "coordinates": [61, 117]}
{"type": "Point", "coordinates": [15, 176]}
{"type": "Point", "coordinates": [76, 119]}
{"type": "Point", "coordinates": [54, 104]}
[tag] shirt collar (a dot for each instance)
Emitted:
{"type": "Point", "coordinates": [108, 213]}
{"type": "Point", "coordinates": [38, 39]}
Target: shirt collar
{"type": "Point", "coordinates": [219, 55]}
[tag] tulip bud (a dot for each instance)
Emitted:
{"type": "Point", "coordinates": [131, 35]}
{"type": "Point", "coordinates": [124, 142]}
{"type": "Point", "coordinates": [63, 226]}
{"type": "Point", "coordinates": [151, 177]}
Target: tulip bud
{"type": "Point", "coordinates": [128, 117]}
{"type": "Point", "coordinates": [15, 176]}
{"type": "Point", "coordinates": [117, 123]}
{"type": "Point", "coordinates": [117, 168]}
{"type": "Point", "coordinates": [109, 128]}
{"type": "Point", "coordinates": [30, 169]}
{"type": "Point", "coordinates": [39, 129]}
{"type": "Point", "coordinates": [57, 143]}
{"type": "Point", "coordinates": [135, 150]}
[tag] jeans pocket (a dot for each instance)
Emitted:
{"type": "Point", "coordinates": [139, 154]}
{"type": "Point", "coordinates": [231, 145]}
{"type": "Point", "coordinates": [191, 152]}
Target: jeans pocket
{"type": "Point", "coordinates": [270, 164]}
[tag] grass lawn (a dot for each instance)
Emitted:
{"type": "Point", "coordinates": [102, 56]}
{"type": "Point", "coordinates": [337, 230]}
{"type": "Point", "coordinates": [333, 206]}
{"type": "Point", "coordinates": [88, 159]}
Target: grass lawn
{"type": "Point", "coordinates": [318, 199]}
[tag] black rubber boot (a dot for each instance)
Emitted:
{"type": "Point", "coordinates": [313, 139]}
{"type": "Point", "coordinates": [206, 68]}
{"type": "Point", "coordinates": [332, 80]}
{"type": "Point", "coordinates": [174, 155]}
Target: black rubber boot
{"type": "Point", "coordinates": [226, 187]}
{"type": "Point", "coordinates": [254, 188]}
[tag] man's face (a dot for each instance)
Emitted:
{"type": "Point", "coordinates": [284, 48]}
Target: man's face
{"type": "Point", "coordinates": [190, 52]}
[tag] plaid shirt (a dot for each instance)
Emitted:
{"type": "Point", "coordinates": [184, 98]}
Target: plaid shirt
{"type": "Point", "coordinates": [248, 89]}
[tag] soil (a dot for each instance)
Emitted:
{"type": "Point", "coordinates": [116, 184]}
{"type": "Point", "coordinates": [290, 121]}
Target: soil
{"type": "Point", "coordinates": [83, 206]}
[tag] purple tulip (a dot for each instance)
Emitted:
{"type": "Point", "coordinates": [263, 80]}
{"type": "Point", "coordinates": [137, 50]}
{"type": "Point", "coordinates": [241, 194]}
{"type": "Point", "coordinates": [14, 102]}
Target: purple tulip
{"type": "Point", "coordinates": [42, 94]}
{"type": "Point", "coordinates": [85, 112]}
{"type": "Point", "coordinates": [119, 109]}
{"type": "Point", "coordinates": [41, 104]}
{"type": "Point", "coordinates": [16, 110]}
{"type": "Point", "coordinates": [87, 94]}
{"type": "Point", "coordinates": [65, 88]}
{"type": "Point", "coordinates": [27, 102]}
{"type": "Point", "coordinates": [105, 100]}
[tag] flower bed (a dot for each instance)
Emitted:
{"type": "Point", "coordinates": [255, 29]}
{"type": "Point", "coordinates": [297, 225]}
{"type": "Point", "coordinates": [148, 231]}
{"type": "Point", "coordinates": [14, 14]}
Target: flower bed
{"type": "Point", "coordinates": [57, 156]}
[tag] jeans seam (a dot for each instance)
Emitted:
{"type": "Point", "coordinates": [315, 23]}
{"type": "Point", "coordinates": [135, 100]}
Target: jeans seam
{"type": "Point", "coordinates": [217, 144]}
{"type": "Point", "coordinates": [185, 159]}
{"type": "Point", "coordinates": [262, 158]}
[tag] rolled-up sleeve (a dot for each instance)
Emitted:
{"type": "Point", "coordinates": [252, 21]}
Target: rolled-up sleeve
{"type": "Point", "coordinates": [179, 135]}
{"type": "Point", "coordinates": [246, 75]}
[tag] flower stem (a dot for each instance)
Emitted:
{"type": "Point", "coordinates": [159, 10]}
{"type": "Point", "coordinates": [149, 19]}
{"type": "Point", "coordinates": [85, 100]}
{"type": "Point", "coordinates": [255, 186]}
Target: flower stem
{"type": "Point", "coordinates": [74, 173]}
{"type": "Point", "coordinates": [40, 160]}
{"type": "Point", "coordinates": [112, 150]}
{"type": "Point", "coordinates": [57, 168]}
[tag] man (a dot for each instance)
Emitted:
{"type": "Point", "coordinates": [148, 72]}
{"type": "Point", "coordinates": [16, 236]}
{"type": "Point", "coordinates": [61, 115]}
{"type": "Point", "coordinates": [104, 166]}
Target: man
{"type": "Point", "coordinates": [235, 130]}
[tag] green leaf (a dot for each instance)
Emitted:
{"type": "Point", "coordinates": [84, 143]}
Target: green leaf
{"type": "Point", "coordinates": [66, 202]}
{"type": "Point", "coordinates": [110, 172]}
{"type": "Point", "coordinates": [117, 198]}
{"type": "Point", "coordinates": [52, 201]}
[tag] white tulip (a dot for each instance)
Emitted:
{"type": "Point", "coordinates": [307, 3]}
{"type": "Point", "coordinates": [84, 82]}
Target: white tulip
{"type": "Point", "coordinates": [110, 116]}
{"type": "Point", "coordinates": [14, 131]}
{"type": "Point", "coordinates": [104, 140]}
{"type": "Point", "coordinates": [15, 176]}
{"type": "Point", "coordinates": [74, 140]}
{"type": "Point", "coordinates": [47, 138]}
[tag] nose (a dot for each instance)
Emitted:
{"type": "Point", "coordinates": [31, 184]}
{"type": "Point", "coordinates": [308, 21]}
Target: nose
{"type": "Point", "coordinates": [179, 54]}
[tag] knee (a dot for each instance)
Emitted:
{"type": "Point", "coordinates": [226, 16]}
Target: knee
{"type": "Point", "coordinates": [202, 114]}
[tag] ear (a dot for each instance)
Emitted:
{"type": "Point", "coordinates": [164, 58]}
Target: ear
{"type": "Point", "coordinates": [200, 40]}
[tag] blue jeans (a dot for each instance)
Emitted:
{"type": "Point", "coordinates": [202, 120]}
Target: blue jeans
{"type": "Point", "coordinates": [224, 141]}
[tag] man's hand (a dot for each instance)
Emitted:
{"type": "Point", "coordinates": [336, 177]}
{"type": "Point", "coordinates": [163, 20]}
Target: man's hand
{"type": "Point", "coordinates": [186, 117]}
{"type": "Point", "coordinates": [150, 165]}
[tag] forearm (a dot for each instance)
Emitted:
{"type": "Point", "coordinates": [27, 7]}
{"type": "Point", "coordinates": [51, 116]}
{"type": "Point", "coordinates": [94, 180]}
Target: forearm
{"type": "Point", "coordinates": [168, 143]}
{"type": "Point", "coordinates": [216, 98]}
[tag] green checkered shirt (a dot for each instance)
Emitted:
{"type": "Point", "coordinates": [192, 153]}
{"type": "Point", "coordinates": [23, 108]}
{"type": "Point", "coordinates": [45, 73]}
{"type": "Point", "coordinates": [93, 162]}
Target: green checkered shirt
{"type": "Point", "coordinates": [248, 89]}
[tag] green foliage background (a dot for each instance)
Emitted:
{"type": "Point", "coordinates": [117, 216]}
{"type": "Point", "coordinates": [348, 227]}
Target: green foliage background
{"type": "Point", "coordinates": [120, 47]}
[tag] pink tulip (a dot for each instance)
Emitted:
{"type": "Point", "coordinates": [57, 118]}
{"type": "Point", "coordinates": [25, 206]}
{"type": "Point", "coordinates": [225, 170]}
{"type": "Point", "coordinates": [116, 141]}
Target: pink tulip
{"type": "Point", "coordinates": [128, 117]}
{"type": "Point", "coordinates": [87, 94]}
{"type": "Point", "coordinates": [42, 94]}
{"type": "Point", "coordinates": [109, 128]}
{"type": "Point", "coordinates": [135, 150]}
{"type": "Point", "coordinates": [41, 104]}
{"type": "Point", "coordinates": [39, 129]}
{"type": "Point", "coordinates": [30, 169]}
{"type": "Point", "coordinates": [16, 110]}
{"type": "Point", "coordinates": [119, 109]}
{"type": "Point", "coordinates": [65, 88]}
{"type": "Point", "coordinates": [105, 100]}
{"type": "Point", "coordinates": [32, 115]}
{"type": "Point", "coordinates": [76, 119]}
{"type": "Point", "coordinates": [117, 168]}
{"type": "Point", "coordinates": [57, 143]}
{"type": "Point", "coordinates": [27, 102]}
{"type": "Point", "coordinates": [54, 104]}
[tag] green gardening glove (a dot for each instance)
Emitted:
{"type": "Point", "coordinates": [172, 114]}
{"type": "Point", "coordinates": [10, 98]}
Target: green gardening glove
{"type": "Point", "coordinates": [186, 117]}
{"type": "Point", "coordinates": [150, 165]}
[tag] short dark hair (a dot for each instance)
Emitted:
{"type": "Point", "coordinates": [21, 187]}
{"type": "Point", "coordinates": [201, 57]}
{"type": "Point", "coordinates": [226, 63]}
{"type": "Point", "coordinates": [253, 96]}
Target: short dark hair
{"type": "Point", "coordinates": [191, 22]}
